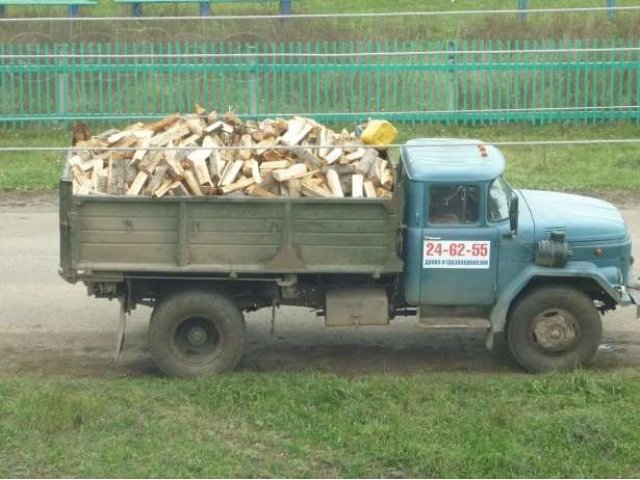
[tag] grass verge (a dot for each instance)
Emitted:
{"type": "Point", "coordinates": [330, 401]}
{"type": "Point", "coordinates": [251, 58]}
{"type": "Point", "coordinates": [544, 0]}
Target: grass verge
{"type": "Point", "coordinates": [553, 25]}
{"type": "Point", "coordinates": [582, 424]}
{"type": "Point", "coordinates": [592, 168]}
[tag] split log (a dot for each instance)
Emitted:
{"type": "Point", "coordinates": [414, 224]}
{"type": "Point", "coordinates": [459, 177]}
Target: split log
{"type": "Point", "coordinates": [367, 162]}
{"type": "Point", "coordinates": [241, 184]}
{"type": "Point", "coordinates": [164, 123]}
{"type": "Point", "coordinates": [334, 155]}
{"type": "Point", "coordinates": [264, 145]}
{"type": "Point", "coordinates": [140, 134]}
{"type": "Point", "coordinates": [305, 155]}
{"type": "Point", "coordinates": [175, 169]}
{"type": "Point", "coordinates": [195, 126]}
{"type": "Point", "coordinates": [139, 154]}
{"type": "Point", "coordinates": [212, 117]}
{"type": "Point", "coordinates": [294, 171]}
{"type": "Point", "coordinates": [255, 171]}
{"type": "Point", "coordinates": [246, 168]}
{"type": "Point", "coordinates": [151, 163]}
{"type": "Point", "coordinates": [169, 136]}
{"type": "Point", "coordinates": [245, 141]}
{"type": "Point", "coordinates": [193, 184]}
{"type": "Point", "coordinates": [202, 172]}
{"type": "Point", "coordinates": [130, 172]}
{"type": "Point", "coordinates": [190, 141]}
{"type": "Point", "coordinates": [386, 179]}
{"type": "Point", "coordinates": [138, 183]}
{"type": "Point", "coordinates": [226, 128]}
{"type": "Point", "coordinates": [213, 127]}
{"type": "Point", "coordinates": [258, 191]}
{"type": "Point", "coordinates": [323, 140]}
{"type": "Point", "coordinates": [156, 180]}
{"type": "Point", "coordinates": [179, 190]}
{"type": "Point", "coordinates": [275, 165]}
{"type": "Point", "coordinates": [357, 182]}
{"type": "Point", "coordinates": [116, 179]}
{"type": "Point", "coordinates": [312, 189]}
{"type": "Point", "coordinates": [125, 143]}
{"type": "Point", "coordinates": [369, 190]}
{"type": "Point", "coordinates": [198, 160]}
{"type": "Point", "coordinates": [294, 187]}
{"type": "Point", "coordinates": [102, 136]}
{"type": "Point", "coordinates": [357, 155]}
{"type": "Point", "coordinates": [232, 173]}
{"type": "Point", "coordinates": [334, 183]}
{"type": "Point", "coordinates": [375, 173]}
{"type": "Point", "coordinates": [297, 130]}
{"type": "Point", "coordinates": [345, 169]}
{"type": "Point", "coordinates": [272, 155]}
{"type": "Point", "coordinates": [161, 191]}
{"type": "Point", "coordinates": [382, 193]}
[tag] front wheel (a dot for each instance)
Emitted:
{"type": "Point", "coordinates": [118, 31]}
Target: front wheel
{"type": "Point", "coordinates": [554, 328]}
{"type": "Point", "coordinates": [196, 333]}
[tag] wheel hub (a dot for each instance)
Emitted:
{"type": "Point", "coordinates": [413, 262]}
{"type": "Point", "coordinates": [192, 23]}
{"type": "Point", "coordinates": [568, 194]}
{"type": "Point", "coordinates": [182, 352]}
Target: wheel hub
{"type": "Point", "coordinates": [197, 336]}
{"type": "Point", "coordinates": [555, 330]}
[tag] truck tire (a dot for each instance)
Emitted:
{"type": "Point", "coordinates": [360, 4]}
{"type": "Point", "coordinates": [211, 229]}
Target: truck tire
{"type": "Point", "coordinates": [196, 333]}
{"type": "Point", "coordinates": [553, 328]}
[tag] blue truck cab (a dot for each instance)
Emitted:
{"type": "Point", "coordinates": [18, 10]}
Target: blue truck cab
{"type": "Point", "coordinates": [541, 266]}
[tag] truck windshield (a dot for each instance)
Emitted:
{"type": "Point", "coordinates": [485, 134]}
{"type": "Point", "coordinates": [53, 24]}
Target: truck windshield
{"type": "Point", "coordinates": [499, 198]}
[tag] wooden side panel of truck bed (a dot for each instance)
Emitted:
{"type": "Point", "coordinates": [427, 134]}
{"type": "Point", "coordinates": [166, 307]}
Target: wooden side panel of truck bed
{"type": "Point", "coordinates": [226, 235]}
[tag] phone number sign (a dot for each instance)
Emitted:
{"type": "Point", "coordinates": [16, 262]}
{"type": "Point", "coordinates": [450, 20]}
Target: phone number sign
{"type": "Point", "coordinates": [461, 254]}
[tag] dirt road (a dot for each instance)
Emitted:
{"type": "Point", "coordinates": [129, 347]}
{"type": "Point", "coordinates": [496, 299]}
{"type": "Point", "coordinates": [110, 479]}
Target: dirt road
{"type": "Point", "coordinates": [51, 327]}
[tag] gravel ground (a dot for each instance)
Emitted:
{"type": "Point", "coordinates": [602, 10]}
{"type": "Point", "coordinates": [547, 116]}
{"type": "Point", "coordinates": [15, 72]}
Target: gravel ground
{"type": "Point", "coordinates": [51, 327]}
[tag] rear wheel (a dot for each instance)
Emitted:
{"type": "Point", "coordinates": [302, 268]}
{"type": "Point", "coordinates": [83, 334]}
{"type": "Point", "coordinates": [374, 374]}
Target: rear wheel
{"type": "Point", "coordinates": [196, 333]}
{"type": "Point", "coordinates": [554, 328]}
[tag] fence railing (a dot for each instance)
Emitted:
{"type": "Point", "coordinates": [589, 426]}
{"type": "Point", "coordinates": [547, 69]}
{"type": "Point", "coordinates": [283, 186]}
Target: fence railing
{"type": "Point", "coordinates": [465, 82]}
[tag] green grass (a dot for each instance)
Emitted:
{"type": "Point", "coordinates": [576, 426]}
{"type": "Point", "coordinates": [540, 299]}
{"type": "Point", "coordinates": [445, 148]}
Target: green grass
{"type": "Point", "coordinates": [32, 170]}
{"type": "Point", "coordinates": [592, 168]}
{"type": "Point", "coordinates": [556, 26]}
{"type": "Point", "coordinates": [316, 425]}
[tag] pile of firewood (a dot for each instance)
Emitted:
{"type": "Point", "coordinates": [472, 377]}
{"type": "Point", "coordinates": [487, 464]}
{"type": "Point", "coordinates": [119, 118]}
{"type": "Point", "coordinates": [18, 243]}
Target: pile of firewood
{"type": "Point", "coordinates": [186, 155]}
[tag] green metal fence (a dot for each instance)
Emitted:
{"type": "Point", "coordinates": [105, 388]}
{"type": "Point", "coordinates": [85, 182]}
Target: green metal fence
{"type": "Point", "coordinates": [467, 82]}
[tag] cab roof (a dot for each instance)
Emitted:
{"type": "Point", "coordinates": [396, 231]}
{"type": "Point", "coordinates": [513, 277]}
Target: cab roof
{"type": "Point", "coordinates": [451, 159]}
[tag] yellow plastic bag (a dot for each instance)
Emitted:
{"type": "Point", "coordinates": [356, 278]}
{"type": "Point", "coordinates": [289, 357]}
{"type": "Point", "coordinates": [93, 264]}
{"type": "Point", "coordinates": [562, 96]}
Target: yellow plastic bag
{"type": "Point", "coordinates": [379, 132]}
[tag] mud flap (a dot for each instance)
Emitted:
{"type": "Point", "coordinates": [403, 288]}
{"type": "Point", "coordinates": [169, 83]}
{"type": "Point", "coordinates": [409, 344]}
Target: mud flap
{"type": "Point", "coordinates": [489, 342]}
{"type": "Point", "coordinates": [120, 333]}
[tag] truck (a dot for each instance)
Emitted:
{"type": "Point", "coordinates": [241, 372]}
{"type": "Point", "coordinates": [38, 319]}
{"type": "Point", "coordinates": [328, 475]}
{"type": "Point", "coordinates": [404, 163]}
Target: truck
{"type": "Point", "coordinates": [456, 240]}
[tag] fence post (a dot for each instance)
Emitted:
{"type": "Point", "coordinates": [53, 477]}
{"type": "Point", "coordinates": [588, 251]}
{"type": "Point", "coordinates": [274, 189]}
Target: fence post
{"type": "Point", "coordinates": [63, 82]}
{"type": "Point", "coordinates": [453, 77]}
{"type": "Point", "coordinates": [523, 6]}
{"type": "Point", "coordinates": [253, 81]}
{"type": "Point", "coordinates": [285, 7]}
{"type": "Point", "coordinates": [205, 9]}
{"type": "Point", "coordinates": [611, 9]}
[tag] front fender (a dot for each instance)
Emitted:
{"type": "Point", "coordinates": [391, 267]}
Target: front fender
{"type": "Point", "coordinates": [582, 270]}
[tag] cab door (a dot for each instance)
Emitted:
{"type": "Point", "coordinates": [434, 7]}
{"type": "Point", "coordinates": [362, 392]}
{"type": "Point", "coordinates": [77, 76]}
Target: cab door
{"type": "Point", "coordinates": [459, 247]}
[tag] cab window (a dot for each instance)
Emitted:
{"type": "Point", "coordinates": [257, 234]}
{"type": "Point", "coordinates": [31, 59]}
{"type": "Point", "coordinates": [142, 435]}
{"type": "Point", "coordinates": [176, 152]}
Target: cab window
{"type": "Point", "coordinates": [454, 204]}
{"type": "Point", "coordinates": [499, 195]}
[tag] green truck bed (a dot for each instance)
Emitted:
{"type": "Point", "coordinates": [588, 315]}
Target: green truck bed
{"type": "Point", "coordinates": [112, 236]}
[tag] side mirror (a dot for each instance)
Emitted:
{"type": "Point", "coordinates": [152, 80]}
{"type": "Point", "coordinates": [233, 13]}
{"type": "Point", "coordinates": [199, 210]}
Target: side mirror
{"type": "Point", "coordinates": [513, 213]}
